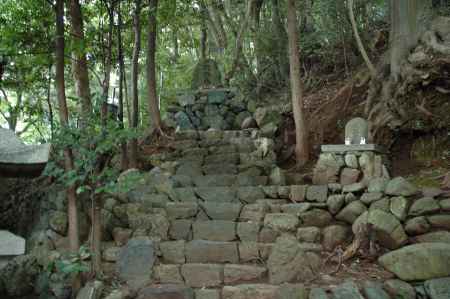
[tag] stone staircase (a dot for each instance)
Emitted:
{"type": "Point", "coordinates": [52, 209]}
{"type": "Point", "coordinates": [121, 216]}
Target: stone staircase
{"type": "Point", "coordinates": [216, 219]}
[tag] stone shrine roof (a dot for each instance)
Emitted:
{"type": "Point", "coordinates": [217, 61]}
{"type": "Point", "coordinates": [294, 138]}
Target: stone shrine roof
{"type": "Point", "coordinates": [344, 148]}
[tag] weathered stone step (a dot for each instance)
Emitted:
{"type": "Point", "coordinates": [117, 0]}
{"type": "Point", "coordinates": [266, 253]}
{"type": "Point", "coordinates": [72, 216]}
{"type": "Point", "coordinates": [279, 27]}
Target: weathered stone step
{"type": "Point", "coordinates": [198, 275]}
{"type": "Point", "coordinates": [221, 180]}
{"type": "Point", "coordinates": [214, 134]}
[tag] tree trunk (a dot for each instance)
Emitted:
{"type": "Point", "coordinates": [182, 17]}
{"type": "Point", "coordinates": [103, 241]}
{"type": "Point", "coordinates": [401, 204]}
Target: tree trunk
{"type": "Point", "coordinates": [151, 65]}
{"type": "Point", "coordinates": [134, 82]}
{"type": "Point", "coordinates": [404, 31]}
{"type": "Point", "coordinates": [361, 48]}
{"type": "Point", "coordinates": [240, 41]}
{"type": "Point", "coordinates": [79, 64]}
{"type": "Point", "coordinates": [108, 62]}
{"type": "Point", "coordinates": [281, 37]}
{"type": "Point", "coordinates": [301, 131]}
{"type": "Point", "coordinates": [123, 146]}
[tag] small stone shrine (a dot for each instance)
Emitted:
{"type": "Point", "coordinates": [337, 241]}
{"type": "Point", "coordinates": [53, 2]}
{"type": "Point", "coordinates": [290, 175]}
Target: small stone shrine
{"type": "Point", "coordinates": [356, 161]}
{"type": "Point", "coordinates": [218, 108]}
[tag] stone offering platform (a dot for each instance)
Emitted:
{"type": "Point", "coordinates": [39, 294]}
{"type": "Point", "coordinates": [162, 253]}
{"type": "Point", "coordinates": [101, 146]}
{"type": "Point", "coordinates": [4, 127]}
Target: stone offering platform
{"type": "Point", "coordinates": [20, 160]}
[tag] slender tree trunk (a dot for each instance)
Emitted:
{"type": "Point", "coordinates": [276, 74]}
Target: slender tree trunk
{"type": "Point", "coordinates": [123, 146]}
{"type": "Point", "coordinates": [49, 102]}
{"type": "Point", "coordinates": [240, 41]}
{"type": "Point", "coordinates": [301, 130]}
{"type": "Point", "coordinates": [151, 65]}
{"type": "Point", "coordinates": [404, 31]}
{"type": "Point", "coordinates": [361, 48]}
{"type": "Point", "coordinates": [134, 82]}
{"type": "Point", "coordinates": [108, 61]}
{"type": "Point", "coordinates": [64, 119]}
{"type": "Point", "coordinates": [79, 65]}
{"type": "Point", "coordinates": [281, 37]}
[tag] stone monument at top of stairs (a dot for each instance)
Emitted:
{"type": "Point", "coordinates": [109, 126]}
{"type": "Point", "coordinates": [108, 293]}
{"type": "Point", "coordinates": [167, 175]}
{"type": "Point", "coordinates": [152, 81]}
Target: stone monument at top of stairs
{"type": "Point", "coordinates": [354, 162]}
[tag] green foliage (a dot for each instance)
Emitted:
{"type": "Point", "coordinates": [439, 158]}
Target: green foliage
{"type": "Point", "coordinates": [93, 146]}
{"type": "Point", "coordinates": [72, 264]}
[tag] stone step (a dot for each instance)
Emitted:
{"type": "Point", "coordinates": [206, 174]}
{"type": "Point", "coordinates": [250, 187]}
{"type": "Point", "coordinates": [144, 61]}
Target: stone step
{"type": "Point", "coordinates": [214, 134]}
{"type": "Point", "coordinates": [198, 275]}
{"type": "Point", "coordinates": [221, 180]}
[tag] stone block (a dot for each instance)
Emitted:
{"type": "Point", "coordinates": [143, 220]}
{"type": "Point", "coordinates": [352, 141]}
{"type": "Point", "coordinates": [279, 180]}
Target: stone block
{"type": "Point", "coordinates": [248, 231]}
{"type": "Point", "coordinates": [253, 212]}
{"type": "Point", "coordinates": [242, 273]}
{"type": "Point", "coordinates": [222, 211]}
{"type": "Point", "coordinates": [308, 234]}
{"type": "Point", "coordinates": [200, 251]}
{"type": "Point", "coordinates": [180, 229]}
{"type": "Point", "coordinates": [250, 291]}
{"type": "Point", "coordinates": [214, 230]}
{"type": "Point", "coordinates": [298, 193]}
{"type": "Point", "coordinates": [168, 274]}
{"type": "Point", "coordinates": [281, 222]}
{"type": "Point", "coordinates": [202, 275]}
{"type": "Point", "coordinates": [181, 210]}
{"type": "Point", "coordinates": [317, 193]}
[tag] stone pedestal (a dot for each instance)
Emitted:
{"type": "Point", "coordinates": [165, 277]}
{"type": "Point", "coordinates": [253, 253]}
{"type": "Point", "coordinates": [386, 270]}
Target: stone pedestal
{"type": "Point", "coordinates": [349, 164]}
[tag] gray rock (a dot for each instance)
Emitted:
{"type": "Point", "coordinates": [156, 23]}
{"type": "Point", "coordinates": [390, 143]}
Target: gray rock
{"type": "Point", "coordinates": [168, 274]}
{"type": "Point", "coordinates": [250, 194]}
{"type": "Point", "coordinates": [318, 293]}
{"type": "Point", "coordinates": [440, 221]}
{"type": "Point", "coordinates": [308, 234]}
{"type": "Point", "coordinates": [217, 96]}
{"type": "Point", "coordinates": [216, 180]}
{"type": "Point", "coordinates": [18, 276]}
{"type": "Point", "coordinates": [399, 207]}
{"type": "Point", "coordinates": [111, 254]}
{"type": "Point", "coordinates": [335, 203]}
{"type": "Point", "coordinates": [288, 262]}
{"type": "Point", "coordinates": [377, 185]}
{"type": "Point", "coordinates": [200, 251]}
{"type": "Point", "coordinates": [58, 222]}
{"type": "Point", "coordinates": [183, 121]}
{"type": "Point", "coordinates": [335, 235]}
{"type": "Point", "coordinates": [242, 273]}
{"type": "Point", "coordinates": [268, 130]}
{"type": "Point", "coordinates": [399, 186]}
{"type": "Point", "coordinates": [222, 211]}
{"type": "Point", "coordinates": [185, 99]}
{"type": "Point", "coordinates": [351, 160]}
{"type": "Point", "coordinates": [327, 168]}
{"type": "Point", "coordinates": [349, 176]}
{"type": "Point", "coordinates": [173, 251]}
{"type": "Point", "coordinates": [214, 230]}
{"type": "Point", "coordinates": [254, 212]}
{"type": "Point", "coordinates": [369, 198]}
{"type": "Point", "coordinates": [298, 193]}
{"type": "Point", "coordinates": [250, 291]}
{"type": "Point", "coordinates": [207, 294]}
{"type": "Point", "coordinates": [172, 291]}
{"type": "Point", "coordinates": [423, 206]}
{"type": "Point", "coordinates": [417, 226]}
{"type": "Point", "coordinates": [202, 275]}
{"type": "Point", "coordinates": [383, 205]}
{"type": "Point", "coordinates": [135, 264]}
{"type": "Point", "coordinates": [296, 208]}
{"type": "Point", "coordinates": [434, 237]}
{"type": "Point", "coordinates": [351, 212]}
{"type": "Point", "coordinates": [388, 230]}
{"type": "Point", "coordinates": [400, 289]}
{"type": "Point", "coordinates": [281, 222]}
{"type": "Point", "coordinates": [316, 217]}
{"type": "Point", "coordinates": [354, 188]}
{"type": "Point", "coordinates": [220, 168]}
{"type": "Point", "coordinates": [216, 194]}
{"type": "Point", "coordinates": [265, 116]}
{"type": "Point", "coordinates": [419, 261]}
{"type": "Point", "coordinates": [11, 244]}
{"type": "Point", "coordinates": [292, 291]}
{"type": "Point", "coordinates": [438, 288]}
{"type": "Point", "coordinates": [248, 123]}
{"type": "Point", "coordinates": [92, 290]}
{"type": "Point", "coordinates": [180, 229]}
{"type": "Point", "coordinates": [347, 290]}
{"type": "Point", "coordinates": [445, 205]}
{"type": "Point", "coordinates": [317, 193]}
{"type": "Point", "coordinates": [277, 177]}
{"type": "Point", "coordinates": [181, 210]}
{"type": "Point", "coordinates": [248, 231]}
{"type": "Point", "coordinates": [374, 290]}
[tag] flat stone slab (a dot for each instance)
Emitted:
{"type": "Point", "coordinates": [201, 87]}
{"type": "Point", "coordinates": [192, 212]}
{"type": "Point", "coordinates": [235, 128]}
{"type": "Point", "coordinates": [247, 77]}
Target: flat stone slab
{"type": "Point", "coordinates": [10, 244]}
{"type": "Point", "coordinates": [343, 148]}
{"type": "Point", "coordinates": [18, 159]}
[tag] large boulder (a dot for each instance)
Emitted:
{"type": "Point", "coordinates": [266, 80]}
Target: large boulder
{"type": "Point", "coordinates": [136, 260]}
{"type": "Point", "coordinates": [438, 288]}
{"type": "Point", "coordinates": [419, 261]}
{"type": "Point", "coordinates": [288, 262]}
{"type": "Point", "coordinates": [399, 186]}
